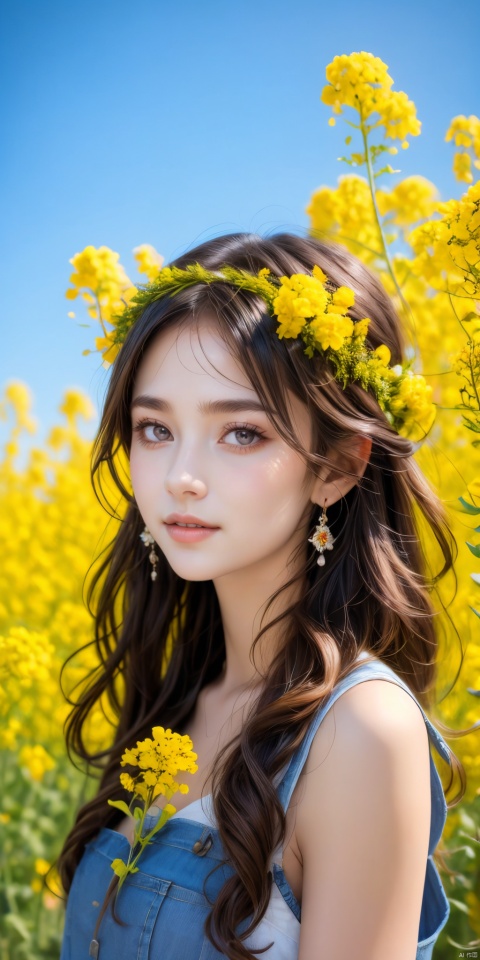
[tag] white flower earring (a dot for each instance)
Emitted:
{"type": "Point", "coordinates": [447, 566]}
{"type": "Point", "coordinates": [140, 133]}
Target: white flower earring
{"type": "Point", "coordinates": [322, 538]}
{"type": "Point", "coordinates": [148, 540]}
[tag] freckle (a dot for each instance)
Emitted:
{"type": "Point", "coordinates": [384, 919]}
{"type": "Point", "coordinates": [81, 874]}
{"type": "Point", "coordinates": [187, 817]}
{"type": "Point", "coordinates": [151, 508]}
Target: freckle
{"type": "Point", "coordinates": [95, 903]}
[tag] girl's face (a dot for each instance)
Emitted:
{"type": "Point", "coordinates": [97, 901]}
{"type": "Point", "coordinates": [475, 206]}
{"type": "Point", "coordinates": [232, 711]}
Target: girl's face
{"type": "Point", "coordinates": [202, 445]}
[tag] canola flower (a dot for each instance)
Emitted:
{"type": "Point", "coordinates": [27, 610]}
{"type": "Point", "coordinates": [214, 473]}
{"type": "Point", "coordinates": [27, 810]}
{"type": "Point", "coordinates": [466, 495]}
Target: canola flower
{"type": "Point", "coordinates": [149, 261]}
{"type": "Point", "coordinates": [158, 760]}
{"type": "Point", "coordinates": [411, 199]}
{"type": "Point", "coordinates": [361, 81]}
{"type": "Point", "coordinates": [433, 280]}
{"type": "Point", "coordinates": [447, 250]}
{"type": "Point", "coordinates": [465, 133]}
{"type": "Point", "coordinates": [102, 282]}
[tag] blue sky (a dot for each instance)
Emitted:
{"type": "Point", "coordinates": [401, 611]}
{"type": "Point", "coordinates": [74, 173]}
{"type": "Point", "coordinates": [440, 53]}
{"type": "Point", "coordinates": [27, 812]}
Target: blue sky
{"type": "Point", "coordinates": [170, 123]}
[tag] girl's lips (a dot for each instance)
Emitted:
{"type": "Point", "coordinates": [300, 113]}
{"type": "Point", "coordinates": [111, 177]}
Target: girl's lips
{"type": "Point", "coordinates": [189, 534]}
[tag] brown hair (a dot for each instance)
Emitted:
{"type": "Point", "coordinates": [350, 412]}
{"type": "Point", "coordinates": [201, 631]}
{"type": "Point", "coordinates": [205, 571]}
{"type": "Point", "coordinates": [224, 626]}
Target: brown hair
{"type": "Point", "coordinates": [373, 594]}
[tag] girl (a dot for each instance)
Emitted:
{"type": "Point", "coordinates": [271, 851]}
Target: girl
{"type": "Point", "coordinates": [255, 456]}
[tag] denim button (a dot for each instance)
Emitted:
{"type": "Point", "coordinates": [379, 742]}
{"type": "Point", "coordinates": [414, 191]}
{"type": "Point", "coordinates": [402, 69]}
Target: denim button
{"type": "Point", "coordinates": [201, 847]}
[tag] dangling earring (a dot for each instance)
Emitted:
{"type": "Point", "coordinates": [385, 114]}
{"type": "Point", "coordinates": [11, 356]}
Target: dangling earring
{"type": "Point", "coordinates": [148, 540]}
{"type": "Point", "coordinates": [322, 538]}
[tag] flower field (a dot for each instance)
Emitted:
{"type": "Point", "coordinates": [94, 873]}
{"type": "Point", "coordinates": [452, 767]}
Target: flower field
{"type": "Point", "coordinates": [426, 252]}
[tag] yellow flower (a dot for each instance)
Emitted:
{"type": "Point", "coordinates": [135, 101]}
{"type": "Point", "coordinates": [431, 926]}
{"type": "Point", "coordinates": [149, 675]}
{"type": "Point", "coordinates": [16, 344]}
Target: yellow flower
{"type": "Point", "coordinates": [148, 260]}
{"type": "Point", "coordinates": [300, 297]}
{"type": "Point", "coordinates": [107, 347]}
{"type": "Point", "coordinates": [354, 81]}
{"type": "Point", "coordinates": [41, 866]}
{"type": "Point", "coordinates": [331, 330]}
{"type": "Point", "coordinates": [383, 353]}
{"type": "Point", "coordinates": [398, 115]}
{"type": "Point", "coordinates": [465, 133]}
{"type": "Point", "coordinates": [342, 299]}
{"type": "Point", "coordinates": [410, 200]}
{"type": "Point", "coordinates": [77, 404]}
{"type": "Point", "coordinates": [360, 329]}
{"type": "Point", "coordinates": [127, 782]}
{"type": "Point", "coordinates": [413, 405]}
{"type": "Point", "coordinates": [462, 167]}
{"type": "Point", "coordinates": [362, 81]}
{"type": "Point", "coordinates": [105, 287]}
{"type": "Point", "coordinates": [346, 214]}
{"type": "Point", "coordinates": [36, 760]}
{"type": "Point", "coordinates": [158, 758]}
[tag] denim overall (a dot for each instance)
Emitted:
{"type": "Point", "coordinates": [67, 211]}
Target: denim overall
{"type": "Point", "coordinates": [165, 904]}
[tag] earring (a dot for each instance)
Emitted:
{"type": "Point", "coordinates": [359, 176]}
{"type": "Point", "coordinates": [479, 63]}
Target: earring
{"type": "Point", "coordinates": [322, 538]}
{"type": "Point", "coordinates": [148, 540]}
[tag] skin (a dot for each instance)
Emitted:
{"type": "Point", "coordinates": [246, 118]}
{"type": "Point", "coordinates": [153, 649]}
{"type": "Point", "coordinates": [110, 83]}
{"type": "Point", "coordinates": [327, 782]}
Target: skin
{"type": "Point", "coordinates": [363, 860]}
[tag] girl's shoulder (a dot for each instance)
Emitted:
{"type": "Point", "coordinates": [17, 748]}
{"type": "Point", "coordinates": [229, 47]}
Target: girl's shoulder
{"type": "Point", "coordinates": [373, 717]}
{"type": "Point", "coordinates": [363, 812]}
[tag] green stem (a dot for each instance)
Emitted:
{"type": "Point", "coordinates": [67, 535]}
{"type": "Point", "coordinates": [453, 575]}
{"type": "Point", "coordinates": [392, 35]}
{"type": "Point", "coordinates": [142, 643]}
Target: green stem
{"type": "Point", "coordinates": [378, 219]}
{"type": "Point", "coordinates": [472, 374]}
{"type": "Point", "coordinates": [100, 318]}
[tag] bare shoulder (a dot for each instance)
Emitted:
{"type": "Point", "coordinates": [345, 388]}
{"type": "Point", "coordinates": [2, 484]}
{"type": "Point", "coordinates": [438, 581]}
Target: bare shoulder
{"type": "Point", "coordinates": [373, 715]}
{"type": "Point", "coordinates": [362, 825]}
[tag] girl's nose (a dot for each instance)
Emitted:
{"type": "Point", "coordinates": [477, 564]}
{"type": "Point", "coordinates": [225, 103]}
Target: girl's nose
{"type": "Point", "coordinates": [180, 482]}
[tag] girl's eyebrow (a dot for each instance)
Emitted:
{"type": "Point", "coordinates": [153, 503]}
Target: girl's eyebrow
{"type": "Point", "coordinates": [204, 407]}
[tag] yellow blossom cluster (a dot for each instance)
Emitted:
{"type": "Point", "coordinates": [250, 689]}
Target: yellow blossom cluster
{"type": "Point", "coordinates": [301, 298]}
{"type": "Point", "coordinates": [410, 200]}
{"type": "Point", "coordinates": [346, 214]}
{"type": "Point", "coordinates": [159, 758]}
{"type": "Point", "coordinates": [101, 281]}
{"type": "Point", "coordinates": [447, 250]}
{"type": "Point", "coordinates": [361, 81]}
{"type": "Point", "coordinates": [413, 401]}
{"type": "Point", "coordinates": [36, 760]}
{"type": "Point", "coordinates": [148, 260]}
{"type": "Point", "coordinates": [48, 538]}
{"type": "Point", "coordinates": [465, 133]}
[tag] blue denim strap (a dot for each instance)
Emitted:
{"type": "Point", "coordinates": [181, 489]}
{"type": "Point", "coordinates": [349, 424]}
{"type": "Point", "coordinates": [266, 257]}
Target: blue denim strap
{"type": "Point", "coordinates": [365, 671]}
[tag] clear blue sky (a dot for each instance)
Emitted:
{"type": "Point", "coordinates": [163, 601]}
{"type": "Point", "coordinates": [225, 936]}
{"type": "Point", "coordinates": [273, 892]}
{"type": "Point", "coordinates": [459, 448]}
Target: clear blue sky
{"type": "Point", "coordinates": [168, 123]}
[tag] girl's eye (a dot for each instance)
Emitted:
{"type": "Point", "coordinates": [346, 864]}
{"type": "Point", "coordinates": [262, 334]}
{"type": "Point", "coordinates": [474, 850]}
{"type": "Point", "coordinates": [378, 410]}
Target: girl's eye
{"type": "Point", "coordinates": [147, 431]}
{"type": "Point", "coordinates": [243, 433]}
{"type": "Point", "coordinates": [150, 433]}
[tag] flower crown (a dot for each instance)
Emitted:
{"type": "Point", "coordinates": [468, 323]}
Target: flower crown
{"type": "Point", "coordinates": [304, 307]}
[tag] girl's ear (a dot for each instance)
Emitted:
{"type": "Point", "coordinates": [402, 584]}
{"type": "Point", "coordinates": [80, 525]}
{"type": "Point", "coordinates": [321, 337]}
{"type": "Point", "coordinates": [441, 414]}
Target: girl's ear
{"type": "Point", "coordinates": [335, 482]}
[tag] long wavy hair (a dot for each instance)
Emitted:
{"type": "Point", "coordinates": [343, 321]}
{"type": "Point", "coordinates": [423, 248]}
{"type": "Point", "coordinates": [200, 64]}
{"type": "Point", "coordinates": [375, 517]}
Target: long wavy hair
{"type": "Point", "coordinates": [165, 637]}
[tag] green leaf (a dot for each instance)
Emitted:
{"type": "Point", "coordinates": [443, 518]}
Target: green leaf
{"type": "Point", "coordinates": [120, 805]}
{"type": "Point", "coordinates": [469, 507]}
{"type": "Point", "coordinates": [138, 813]}
{"type": "Point", "coordinates": [475, 549]}
{"type": "Point", "coordinates": [459, 905]}
{"type": "Point", "coordinates": [14, 921]}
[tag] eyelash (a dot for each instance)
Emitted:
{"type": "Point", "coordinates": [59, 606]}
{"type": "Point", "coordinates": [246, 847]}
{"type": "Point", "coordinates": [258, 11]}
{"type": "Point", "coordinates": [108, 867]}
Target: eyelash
{"type": "Point", "coordinates": [140, 427]}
